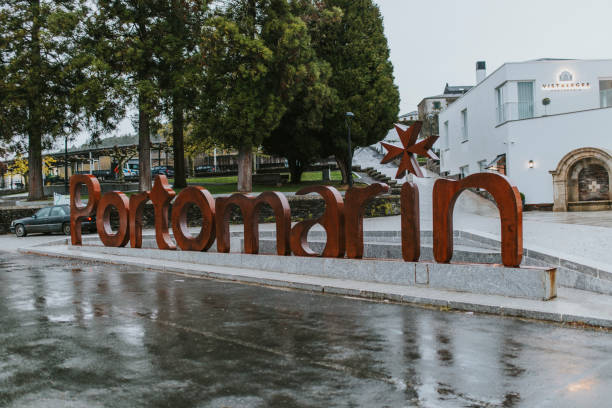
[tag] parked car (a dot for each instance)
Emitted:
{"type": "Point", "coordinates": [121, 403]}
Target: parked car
{"type": "Point", "coordinates": [49, 219]}
{"type": "Point", "coordinates": [204, 170]}
{"type": "Point", "coordinates": [167, 171]}
{"type": "Point", "coordinates": [130, 174]}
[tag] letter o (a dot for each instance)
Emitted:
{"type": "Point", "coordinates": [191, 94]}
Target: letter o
{"type": "Point", "coordinates": [105, 232]}
{"type": "Point", "coordinates": [201, 198]}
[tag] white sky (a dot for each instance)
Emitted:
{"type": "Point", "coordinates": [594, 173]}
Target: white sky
{"type": "Point", "coordinates": [437, 41]}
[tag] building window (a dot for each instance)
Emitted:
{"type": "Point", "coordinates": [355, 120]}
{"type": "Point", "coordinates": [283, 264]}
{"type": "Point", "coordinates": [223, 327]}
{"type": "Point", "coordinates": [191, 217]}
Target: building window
{"type": "Point", "coordinates": [464, 171]}
{"type": "Point", "coordinates": [525, 100]}
{"type": "Point", "coordinates": [499, 98]}
{"type": "Point", "coordinates": [482, 166]}
{"type": "Point", "coordinates": [464, 125]}
{"type": "Point", "coordinates": [605, 92]}
{"type": "Point", "coordinates": [437, 105]}
{"type": "Point", "coordinates": [446, 137]}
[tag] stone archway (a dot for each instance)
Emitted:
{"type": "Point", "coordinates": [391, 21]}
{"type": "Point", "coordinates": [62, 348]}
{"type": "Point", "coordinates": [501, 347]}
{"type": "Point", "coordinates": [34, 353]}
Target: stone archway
{"type": "Point", "coordinates": [583, 174]}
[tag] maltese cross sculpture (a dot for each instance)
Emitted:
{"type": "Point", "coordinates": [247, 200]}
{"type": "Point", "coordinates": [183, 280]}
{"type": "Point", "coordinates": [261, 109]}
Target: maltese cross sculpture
{"type": "Point", "coordinates": [410, 151]}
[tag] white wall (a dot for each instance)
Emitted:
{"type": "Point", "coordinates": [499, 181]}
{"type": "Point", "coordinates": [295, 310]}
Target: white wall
{"type": "Point", "coordinates": [485, 142]}
{"type": "Point", "coordinates": [542, 139]}
{"type": "Point", "coordinates": [538, 140]}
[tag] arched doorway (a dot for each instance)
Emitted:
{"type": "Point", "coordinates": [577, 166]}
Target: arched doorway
{"type": "Point", "coordinates": [582, 180]}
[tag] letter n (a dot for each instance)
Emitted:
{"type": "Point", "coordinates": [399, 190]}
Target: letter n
{"type": "Point", "coordinates": [508, 200]}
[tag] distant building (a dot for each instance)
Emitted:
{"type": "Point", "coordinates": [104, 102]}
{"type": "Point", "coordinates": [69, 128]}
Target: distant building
{"type": "Point", "coordinates": [409, 117]}
{"type": "Point", "coordinates": [434, 104]}
{"type": "Point", "coordinates": [543, 123]}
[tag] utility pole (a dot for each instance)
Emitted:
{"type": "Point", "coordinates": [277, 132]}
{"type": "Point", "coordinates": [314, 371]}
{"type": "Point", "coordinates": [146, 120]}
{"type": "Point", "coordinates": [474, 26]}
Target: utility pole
{"type": "Point", "coordinates": [349, 175]}
{"type": "Point", "coordinates": [66, 165]}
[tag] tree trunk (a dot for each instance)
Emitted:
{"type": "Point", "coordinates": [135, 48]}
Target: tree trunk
{"type": "Point", "coordinates": [190, 165]}
{"type": "Point", "coordinates": [245, 168]}
{"type": "Point", "coordinates": [144, 146]}
{"type": "Point", "coordinates": [180, 179]}
{"type": "Point", "coordinates": [296, 169]}
{"type": "Point", "coordinates": [35, 187]}
{"type": "Point", "coordinates": [343, 169]}
{"type": "Point", "coordinates": [120, 165]}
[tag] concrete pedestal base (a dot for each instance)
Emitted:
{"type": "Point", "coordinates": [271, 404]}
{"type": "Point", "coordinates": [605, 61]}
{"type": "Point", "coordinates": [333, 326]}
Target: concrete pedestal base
{"type": "Point", "coordinates": [526, 282]}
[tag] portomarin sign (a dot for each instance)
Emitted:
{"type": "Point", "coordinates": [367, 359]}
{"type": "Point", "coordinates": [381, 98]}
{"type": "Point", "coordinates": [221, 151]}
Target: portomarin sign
{"type": "Point", "coordinates": [342, 218]}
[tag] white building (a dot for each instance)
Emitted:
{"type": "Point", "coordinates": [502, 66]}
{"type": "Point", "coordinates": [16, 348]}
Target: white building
{"type": "Point", "coordinates": [546, 124]}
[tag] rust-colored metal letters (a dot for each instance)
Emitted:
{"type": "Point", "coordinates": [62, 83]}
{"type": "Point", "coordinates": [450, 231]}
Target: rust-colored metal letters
{"type": "Point", "coordinates": [354, 207]}
{"type": "Point", "coordinates": [342, 218]}
{"type": "Point", "coordinates": [161, 196]}
{"type": "Point", "coordinates": [332, 221]}
{"type": "Point", "coordinates": [121, 203]}
{"type": "Point", "coordinates": [508, 201]}
{"type": "Point", "coordinates": [201, 198]}
{"type": "Point", "coordinates": [137, 203]}
{"type": "Point", "coordinates": [411, 230]}
{"type": "Point", "coordinates": [78, 211]}
{"type": "Point", "coordinates": [249, 207]}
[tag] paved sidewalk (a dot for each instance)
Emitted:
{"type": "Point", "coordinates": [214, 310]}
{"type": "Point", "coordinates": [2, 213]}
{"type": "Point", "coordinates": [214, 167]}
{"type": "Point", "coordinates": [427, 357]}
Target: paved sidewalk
{"type": "Point", "coordinates": [571, 306]}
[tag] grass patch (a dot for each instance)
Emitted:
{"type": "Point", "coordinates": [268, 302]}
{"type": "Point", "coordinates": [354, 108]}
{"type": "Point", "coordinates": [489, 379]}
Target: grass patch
{"type": "Point", "coordinates": [306, 176]}
{"type": "Point", "coordinates": [228, 184]}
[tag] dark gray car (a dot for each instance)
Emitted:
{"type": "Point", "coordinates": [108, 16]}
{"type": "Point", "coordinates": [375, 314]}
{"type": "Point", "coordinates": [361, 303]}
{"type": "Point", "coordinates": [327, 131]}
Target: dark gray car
{"type": "Point", "coordinates": [49, 219]}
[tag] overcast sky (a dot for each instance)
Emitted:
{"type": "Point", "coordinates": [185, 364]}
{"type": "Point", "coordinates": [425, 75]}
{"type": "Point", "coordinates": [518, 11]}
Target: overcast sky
{"type": "Point", "coordinates": [434, 42]}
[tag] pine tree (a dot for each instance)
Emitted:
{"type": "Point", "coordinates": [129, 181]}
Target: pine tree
{"type": "Point", "coordinates": [254, 54]}
{"type": "Point", "coordinates": [42, 77]}
{"type": "Point", "coordinates": [126, 34]}
{"type": "Point", "coordinates": [362, 77]}
{"type": "Point", "coordinates": [181, 31]}
{"type": "Point", "coordinates": [299, 137]}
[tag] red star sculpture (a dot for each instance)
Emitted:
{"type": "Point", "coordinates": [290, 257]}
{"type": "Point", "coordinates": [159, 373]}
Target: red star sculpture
{"type": "Point", "coordinates": [410, 151]}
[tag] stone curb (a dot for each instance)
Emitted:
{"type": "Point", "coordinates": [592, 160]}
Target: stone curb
{"type": "Point", "coordinates": [525, 282]}
{"type": "Point", "coordinates": [490, 304]}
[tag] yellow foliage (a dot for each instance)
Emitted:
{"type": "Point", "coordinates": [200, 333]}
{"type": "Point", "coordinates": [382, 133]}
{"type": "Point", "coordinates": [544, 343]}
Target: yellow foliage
{"type": "Point", "coordinates": [48, 164]}
{"type": "Point", "coordinates": [19, 166]}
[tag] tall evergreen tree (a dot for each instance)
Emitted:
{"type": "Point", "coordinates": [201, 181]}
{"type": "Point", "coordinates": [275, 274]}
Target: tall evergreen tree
{"type": "Point", "coordinates": [255, 52]}
{"type": "Point", "coordinates": [362, 76]}
{"type": "Point", "coordinates": [181, 30]}
{"type": "Point", "coordinates": [299, 137]}
{"type": "Point", "coordinates": [42, 77]}
{"type": "Point", "coordinates": [126, 33]}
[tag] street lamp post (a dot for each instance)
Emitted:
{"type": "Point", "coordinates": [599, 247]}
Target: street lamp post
{"type": "Point", "coordinates": [349, 116]}
{"type": "Point", "coordinates": [66, 165]}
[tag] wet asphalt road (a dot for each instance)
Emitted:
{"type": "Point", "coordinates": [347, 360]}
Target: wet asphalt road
{"type": "Point", "coordinates": [75, 335]}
